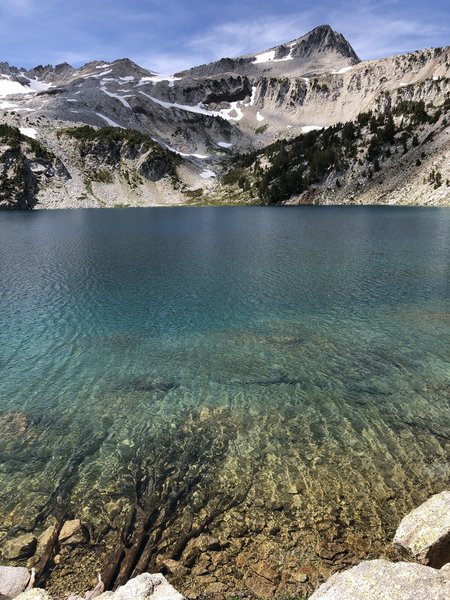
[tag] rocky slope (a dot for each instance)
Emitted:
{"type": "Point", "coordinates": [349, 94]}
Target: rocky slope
{"type": "Point", "coordinates": [396, 154]}
{"type": "Point", "coordinates": [210, 113]}
{"type": "Point", "coordinates": [25, 167]}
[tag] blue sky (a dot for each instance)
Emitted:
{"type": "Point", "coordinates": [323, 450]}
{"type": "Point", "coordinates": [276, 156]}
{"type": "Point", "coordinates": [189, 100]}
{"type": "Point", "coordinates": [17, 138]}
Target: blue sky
{"type": "Point", "coordinates": [168, 35]}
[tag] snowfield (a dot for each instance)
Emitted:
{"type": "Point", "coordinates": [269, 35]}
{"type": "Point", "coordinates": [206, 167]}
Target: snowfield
{"type": "Point", "coordinates": [8, 88]}
{"type": "Point", "coordinates": [343, 70]}
{"type": "Point", "coordinates": [269, 56]}
{"type": "Point", "coordinates": [308, 128]}
{"type": "Point", "coordinates": [199, 108]}
{"type": "Point", "coordinates": [253, 97]}
{"type": "Point", "coordinates": [29, 132]}
{"type": "Point", "coordinates": [227, 113]}
{"type": "Point", "coordinates": [157, 77]}
{"type": "Point", "coordinates": [111, 95]}
{"type": "Point", "coordinates": [184, 154]}
{"type": "Point", "coordinates": [207, 174]}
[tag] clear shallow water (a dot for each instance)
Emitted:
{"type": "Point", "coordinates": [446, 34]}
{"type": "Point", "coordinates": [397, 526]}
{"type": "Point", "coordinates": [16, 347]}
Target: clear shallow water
{"type": "Point", "coordinates": [313, 342]}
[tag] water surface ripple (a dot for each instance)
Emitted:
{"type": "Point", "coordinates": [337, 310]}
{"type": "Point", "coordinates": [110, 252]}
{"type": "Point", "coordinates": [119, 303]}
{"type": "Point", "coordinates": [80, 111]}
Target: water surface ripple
{"type": "Point", "coordinates": [314, 342]}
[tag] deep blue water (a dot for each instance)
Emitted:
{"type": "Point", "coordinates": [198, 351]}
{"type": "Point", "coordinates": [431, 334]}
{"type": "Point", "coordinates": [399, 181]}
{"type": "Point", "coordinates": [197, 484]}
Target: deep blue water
{"type": "Point", "coordinates": [327, 328]}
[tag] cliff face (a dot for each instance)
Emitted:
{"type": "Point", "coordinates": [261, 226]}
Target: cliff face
{"type": "Point", "coordinates": [209, 114]}
{"type": "Point", "coordinates": [25, 167]}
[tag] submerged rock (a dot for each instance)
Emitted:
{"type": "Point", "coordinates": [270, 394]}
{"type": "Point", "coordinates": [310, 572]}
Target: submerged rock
{"type": "Point", "coordinates": [23, 546]}
{"type": "Point", "coordinates": [173, 567]}
{"type": "Point", "coordinates": [381, 579]}
{"type": "Point", "coordinates": [13, 424]}
{"type": "Point", "coordinates": [153, 385]}
{"type": "Point", "coordinates": [424, 534]}
{"type": "Point", "coordinates": [73, 533]}
{"type": "Point", "coordinates": [146, 384]}
{"type": "Point", "coordinates": [198, 546]}
{"type": "Point", "coordinates": [44, 539]}
{"type": "Point", "coordinates": [260, 586]}
{"type": "Point", "coordinates": [13, 581]}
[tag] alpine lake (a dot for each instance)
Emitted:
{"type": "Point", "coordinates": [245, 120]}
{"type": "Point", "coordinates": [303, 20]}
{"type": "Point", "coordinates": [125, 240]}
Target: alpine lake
{"type": "Point", "coordinates": [260, 394]}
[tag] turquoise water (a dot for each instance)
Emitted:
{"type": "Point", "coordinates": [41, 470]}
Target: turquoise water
{"type": "Point", "coordinates": [305, 350]}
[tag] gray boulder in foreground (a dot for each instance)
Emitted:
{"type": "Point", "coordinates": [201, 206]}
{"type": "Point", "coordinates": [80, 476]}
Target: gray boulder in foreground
{"type": "Point", "coordinates": [13, 581]}
{"type": "Point", "coordinates": [383, 580]}
{"type": "Point", "coordinates": [424, 534]}
{"type": "Point", "coordinates": [147, 586]}
{"type": "Point", "coordinates": [144, 587]}
{"type": "Point", "coordinates": [35, 594]}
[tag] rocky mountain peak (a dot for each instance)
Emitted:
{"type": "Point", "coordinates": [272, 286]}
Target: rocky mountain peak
{"type": "Point", "coordinates": [321, 50]}
{"type": "Point", "coordinates": [324, 39]}
{"type": "Point", "coordinates": [50, 73]}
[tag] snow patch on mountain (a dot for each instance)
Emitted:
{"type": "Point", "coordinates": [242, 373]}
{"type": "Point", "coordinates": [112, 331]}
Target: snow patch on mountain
{"type": "Point", "coordinates": [234, 113]}
{"type": "Point", "coordinates": [198, 108]}
{"type": "Point", "coordinates": [157, 77]}
{"type": "Point", "coordinates": [184, 154]}
{"type": "Point", "coordinates": [253, 97]}
{"type": "Point", "coordinates": [308, 128]}
{"type": "Point", "coordinates": [264, 57]}
{"type": "Point", "coordinates": [9, 88]}
{"type": "Point", "coordinates": [111, 95]}
{"type": "Point", "coordinates": [7, 105]}
{"type": "Point", "coordinates": [110, 122]}
{"type": "Point", "coordinates": [340, 71]}
{"type": "Point", "coordinates": [28, 132]}
{"type": "Point", "coordinates": [207, 174]}
{"type": "Point", "coordinates": [269, 56]}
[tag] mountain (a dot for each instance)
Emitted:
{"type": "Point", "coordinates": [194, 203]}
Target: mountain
{"type": "Point", "coordinates": [203, 119]}
{"type": "Point", "coordinates": [321, 50]}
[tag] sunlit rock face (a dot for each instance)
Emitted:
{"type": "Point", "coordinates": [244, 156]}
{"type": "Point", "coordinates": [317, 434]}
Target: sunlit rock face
{"type": "Point", "coordinates": [424, 534]}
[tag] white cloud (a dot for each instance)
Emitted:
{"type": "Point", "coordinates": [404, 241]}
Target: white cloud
{"type": "Point", "coordinates": [234, 38]}
{"type": "Point", "coordinates": [167, 63]}
{"type": "Point", "coordinates": [372, 30]}
{"type": "Point", "coordinates": [375, 30]}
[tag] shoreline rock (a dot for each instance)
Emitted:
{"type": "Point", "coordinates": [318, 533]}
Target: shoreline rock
{"type": "Point", "coordinates": [424, 534]}
{"type": "Point", "coordinates": [13, 581]}
{"type": "Point", "coordinates": [423, 538]}
{"type": "Point", "coordinates": [376, 579]}
{"type": "Point", "coordinates": [143, 587]}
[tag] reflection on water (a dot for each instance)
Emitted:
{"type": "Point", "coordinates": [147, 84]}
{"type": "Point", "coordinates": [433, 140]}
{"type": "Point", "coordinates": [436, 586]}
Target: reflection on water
{"type": "Point", "coordinates": [292, 364]}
